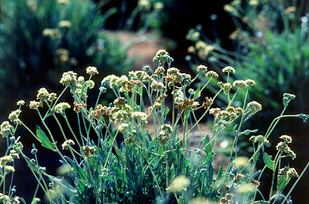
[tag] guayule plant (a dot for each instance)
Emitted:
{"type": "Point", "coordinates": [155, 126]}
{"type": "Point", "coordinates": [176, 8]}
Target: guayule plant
{"type": "Point", "coordinates": [154, 163]}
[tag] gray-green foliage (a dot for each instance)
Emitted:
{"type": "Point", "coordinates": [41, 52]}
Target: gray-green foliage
{"type": "Point", "coordinates": [154, 162]}
{"type": "Point", "coordinates": [271, 47]}
{"type": "Point", "coordinates": [41, 39]}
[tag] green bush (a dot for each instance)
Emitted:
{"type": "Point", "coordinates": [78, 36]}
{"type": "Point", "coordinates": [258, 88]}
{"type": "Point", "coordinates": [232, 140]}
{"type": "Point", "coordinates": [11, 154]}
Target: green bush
{"type": "Point", "coordinates": [41, 39]}
{"type": "Point", "coordinates": [154, 163]}
{"type": "Point", "coordinates": [271, 47]}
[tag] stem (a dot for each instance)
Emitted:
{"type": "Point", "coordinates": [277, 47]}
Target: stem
{"type": "Point", "coordinates": [301, 175]}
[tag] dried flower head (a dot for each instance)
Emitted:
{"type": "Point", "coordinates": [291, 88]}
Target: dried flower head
{"type": "Point", "coordinates": [142, 117]}
{"type": "Point", "coordinates": [120, 101]}
{"type": "Point", "coordinates": [288, 172]}
{"type": "Point", "coordinates": [214, 111]}
{"type": "Point", "coordinates": [88, 151]}
{"type": "Point", "coordinates": [207, 103]}
{"type": "Point", "coordinates": [92, 70]}
{"type": "Point", "coordinates": [123, 127]}
{"type": "Point", "coordinates": [130, 140]}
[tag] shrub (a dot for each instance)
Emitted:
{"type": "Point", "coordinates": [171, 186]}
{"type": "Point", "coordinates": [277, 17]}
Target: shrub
{"type": "Point", "coordinates": [41, 39]}
{"type": "Point", "coordinates": [271, 47]}
{"type": "Point", "coordinates": [154, 163]}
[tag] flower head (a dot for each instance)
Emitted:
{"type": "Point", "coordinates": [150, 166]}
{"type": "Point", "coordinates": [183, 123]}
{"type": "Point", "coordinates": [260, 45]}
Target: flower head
{"type": "Point", "coordinates": [228, 69]}
{"type": "Point", "coordinates": [14, 115]}
{"type": "Point", "coordinates": [286, 138]}
{"type": "Point", "coordinates": [92, 70]}
{"type": "Point", "coordinates": [5, 129]}
{"type": "Point", "coordinates": [67, 143]}
{"type": "Point", "coordinates": [20, 103]}
{"type": "Point", "coordinates": [254, 107]}
{"type": "Point", "coordinates": [240, 84]}
{"type": "Point", "coordinates": [201, 68]}
{"type": "Point", "coordinates": [212, 74]}
{"type": "Point", "coordinates": [178, 184]}
{"type": "Point", "coordinates": [60, 107]}
{"type": "Point", "coordinates": [68, 78]}
{"type": "Point", "coordinates": [42, 94]}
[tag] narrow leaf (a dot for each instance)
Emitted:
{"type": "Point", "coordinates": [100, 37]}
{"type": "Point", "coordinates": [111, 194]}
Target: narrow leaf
{"type": "Point", "coordinates": [268, 162]}
{"type": "Point", "coordinates": [247, 132]}
{"type": "Point", "coordinates": [44, 139]}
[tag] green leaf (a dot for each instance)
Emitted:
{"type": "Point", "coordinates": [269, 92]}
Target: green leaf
{"type": "Point", "coordinates": [196, 94]}
{"type": "Point", "coordinates": [140, 91]}
{"type": "Point", "coordinates": [161, 149]}
{"type": "Point", "coordinates": [261, 202]}
{"type": "Point", "coordinates": [219, 175]}
{"type": "Point", "coordinates": [44, 139]}
{"type": "Point", "coordinates": [207, 145]}
{"type": "Point", "coordinates": [247, 132]}
{"type": "Point", "coordinates": [167, 110]}
{"type": "Point", "coordinates": [282, 182]}
{"type": "Point", "coordinates": [268, 162]}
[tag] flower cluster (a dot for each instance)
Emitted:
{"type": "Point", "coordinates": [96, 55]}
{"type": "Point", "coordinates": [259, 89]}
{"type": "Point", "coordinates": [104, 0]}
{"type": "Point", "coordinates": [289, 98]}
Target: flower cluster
{"type": "Point", "coordinates": [88, 150]}
{"type": "Point", "coordinates": [283, 146]}
{"type": "Point", "coordinates": [5, 129]}
{"type": "Point", "coordinates": [67, 144]}
{"type": "Point", "coordinates": [60, 107]}
{"type": "Point", "coordinates": [165, 133]}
